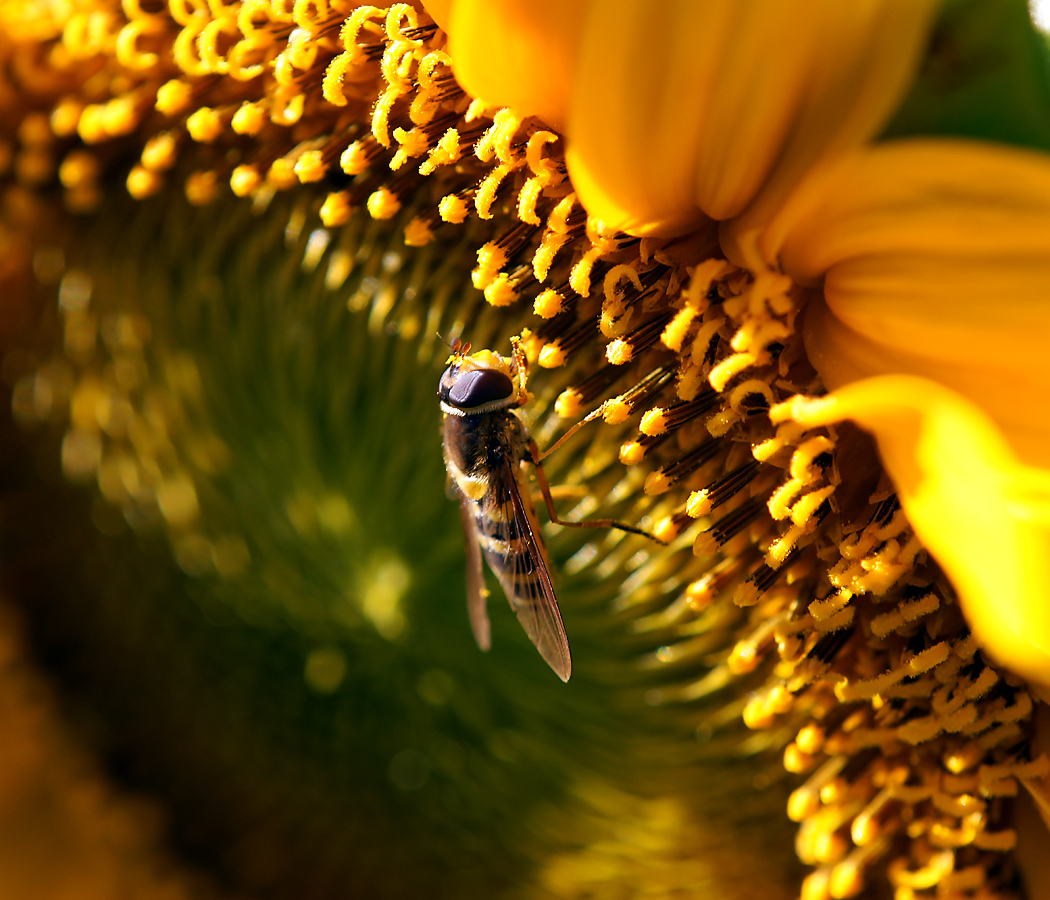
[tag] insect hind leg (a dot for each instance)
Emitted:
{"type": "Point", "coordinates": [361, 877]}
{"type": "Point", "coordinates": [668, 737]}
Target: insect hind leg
{"type": "Point", "coordinates": [548, 499]}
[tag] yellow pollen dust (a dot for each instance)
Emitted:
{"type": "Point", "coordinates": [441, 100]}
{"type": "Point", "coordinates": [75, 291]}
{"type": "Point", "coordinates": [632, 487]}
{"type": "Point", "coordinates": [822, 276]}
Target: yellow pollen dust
{"type": "Point", "coordinates": [453, 209]}
{"type": "Point", "coordinates": [548, 304]}
{"type": "Point", "coordinates": [616, 411]}
{"type": "Point", "coordinates": [619, 352]}
{"type": "Point", "coordinates": [491, 258]}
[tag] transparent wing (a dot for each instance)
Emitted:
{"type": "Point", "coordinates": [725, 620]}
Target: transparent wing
{"type": "Point", "coordinates": [527, 583]}
{"type": "Point", "coordinates": [477, 593]}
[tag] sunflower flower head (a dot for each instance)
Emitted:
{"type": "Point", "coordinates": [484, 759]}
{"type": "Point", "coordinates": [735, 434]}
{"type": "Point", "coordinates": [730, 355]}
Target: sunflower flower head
{"type": "Point", "coordinates": [687, 220]}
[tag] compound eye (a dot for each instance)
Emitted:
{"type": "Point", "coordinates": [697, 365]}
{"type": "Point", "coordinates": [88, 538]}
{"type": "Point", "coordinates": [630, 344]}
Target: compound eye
{"type": "Point", "coordinates": [480, 386]}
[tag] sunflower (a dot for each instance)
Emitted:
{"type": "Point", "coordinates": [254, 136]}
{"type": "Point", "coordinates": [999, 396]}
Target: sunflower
{"type": "Point", "coordinates": [736, 231]}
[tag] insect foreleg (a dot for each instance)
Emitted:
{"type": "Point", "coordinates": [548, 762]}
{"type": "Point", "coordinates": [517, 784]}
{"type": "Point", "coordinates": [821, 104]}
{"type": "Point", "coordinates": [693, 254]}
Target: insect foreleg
{"type": "Point", "coordinates": [590, 417]}
{"type": "Point", "coordinates": [548, 499]}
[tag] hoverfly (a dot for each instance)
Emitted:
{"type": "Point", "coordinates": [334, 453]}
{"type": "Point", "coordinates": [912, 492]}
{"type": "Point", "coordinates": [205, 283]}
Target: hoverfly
{"type": "Point", "coordinates": [485, 443]}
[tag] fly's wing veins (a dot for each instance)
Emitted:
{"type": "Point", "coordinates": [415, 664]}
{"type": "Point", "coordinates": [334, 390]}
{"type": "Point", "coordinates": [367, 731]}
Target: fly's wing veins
{"type": "Point", "coordinates": [527, 583]}
{"type": "Point", "coordinates": [477, 593]}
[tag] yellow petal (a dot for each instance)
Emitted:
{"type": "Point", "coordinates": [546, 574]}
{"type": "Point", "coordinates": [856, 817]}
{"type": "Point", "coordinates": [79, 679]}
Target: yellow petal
{"type": "Point", "coordinates": [936, 262]}
{"type": "Point", "coordinates": [687, 107]}
{"type": "Point", "coordinates": [440, 11]}
{"type": "Point", "coordinates": [983, 515]}
{"type": "Point", "coordinates": [517, 53]}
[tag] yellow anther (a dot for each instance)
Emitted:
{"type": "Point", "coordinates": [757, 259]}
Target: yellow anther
{"type": "Point", "coordinates": [174, 97]}
{"type": "Point", "coordinates": [204, 125]}
{"type": "Point", "coordinates": [810, 739]}
{"type": "Point", "coordinates": [418, 233]}
{"type": "Point", "coordinates": [619, 352]}
{"type": "Point", "coordinates": [397, 17]}
{"type": "Point", "coordinates": [656, 483]}
{"type": "Point", "coordinates": [453, 209]}
{"type": "Point", "coordinates": [666, 530]}
{"type": "Point", "coordinates": [354, 159]}
{"type": "Point", "coordinates": [795, 761]}
{"type": "Point", "coordinates": [335, 210]}
{"type": "Point", "coordinates": [491, 258]}
{"type": "Point", "coordinates": [287, 108]}
{"type": "Point", "coordinates": [249, 118]}
{"type": "Point", "coordinates": [743, 658]}
{"type": "Point", "coordinates": [500, 292]}
{"type": "Point", "coordinates": [91, 125]}
{"type": "Point", "coordinates": [120, 116]}
{"type": "Point", "coordinates": [631, 453]}
{"type": "Point", "coordinates": [281, 175]}
{"type": "Point", "coordinates": [548, 304]}
{"type": "Point", "coordinates": [202, 188]}
{"type": "Point", "coordinates": [383, 204]}
{"type": "Point", "coordinates": [411, 143]}
{"type": "Point", "coordinates": [79, 168]}
{"type": "Point", "coordinates": [447, 151]}
{"type": "Point", "coordinates": [654, 422]}
{"type": "Point", "coordinates": [244, 180]}
{"type": "Point", "coordinates": [160, 151]}
{"type": "Point", "coordinates": [615, 411]}
{"type": "Point", "coordinates": [310, 167]}
{"type": "Point", "coordinates": [552, 356]}
{"type": "Point", "coordinates": [127, 50]}
{"type": "Point", "coordinates": [746, 593]}
{"type": "Point", "coordinates": [698, 504]}
{"type": "Point", "coordinates": [284, 71]}
{"type": "Point", "coordinates": [569, 404]}
{"type": "Point", "coordinates": [65, 116]}
{"type": "Point", "coordinates": [142, 182]}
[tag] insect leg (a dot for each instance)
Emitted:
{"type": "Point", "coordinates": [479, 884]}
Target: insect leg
{"type": "Point", "coordinates": [590, 417]}
{"type": "Point", "coordinates": [545, 490]}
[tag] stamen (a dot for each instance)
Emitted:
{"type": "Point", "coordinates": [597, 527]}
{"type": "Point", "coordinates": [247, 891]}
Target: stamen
{"type": "Point", "coordinates": [623, 350]}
